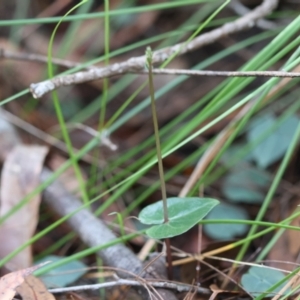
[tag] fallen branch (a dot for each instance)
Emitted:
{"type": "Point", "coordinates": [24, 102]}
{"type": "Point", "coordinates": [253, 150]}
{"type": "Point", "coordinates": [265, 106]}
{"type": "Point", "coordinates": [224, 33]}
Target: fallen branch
{"type": "Point", "coordinates": [135, 64]}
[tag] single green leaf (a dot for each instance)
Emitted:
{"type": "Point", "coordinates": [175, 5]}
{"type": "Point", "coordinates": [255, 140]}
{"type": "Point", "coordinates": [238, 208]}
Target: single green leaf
{"type": "Point", "coordinates": [260, 279]}
{"type": "Point", "coordinates": [245, 185]}
{"type": "Point", "coordinates": [183, 214]}
{"type": "Point", "coordinates": [64, 274]}
{"type": "Point", "coordinates": [226, 231]}
{"type": "Point", "coordinates": [275, 145]}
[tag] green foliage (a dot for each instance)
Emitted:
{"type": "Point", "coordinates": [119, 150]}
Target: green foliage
{"type": "Point", "coordinates": [226, 231]}
{"type": "Point", "coordinates": [64, 274]}
{"type": "Point", "coordinates": [183, 214]}
{"type": "Point", "coordinates": [259, 279]}
{"type": "Point", "coordinates": [245, 185]}
{"type": "Point", "coordinates": [275, 144]}
{"type": "Point", "coordinates": [122, 172]}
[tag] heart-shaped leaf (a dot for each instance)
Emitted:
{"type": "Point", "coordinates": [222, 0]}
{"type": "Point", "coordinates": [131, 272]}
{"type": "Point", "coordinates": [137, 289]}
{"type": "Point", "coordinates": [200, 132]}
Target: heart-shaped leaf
{"type": "Point", "coordinates": [226, 231]}
{"type": "Point", "coordinates": [260, 279]}
{"type": "Point", "coordinates": [183, 214]}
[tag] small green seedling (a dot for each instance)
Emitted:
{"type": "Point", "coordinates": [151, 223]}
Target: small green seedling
{"type": "Point", "coordinates": [170, 216]}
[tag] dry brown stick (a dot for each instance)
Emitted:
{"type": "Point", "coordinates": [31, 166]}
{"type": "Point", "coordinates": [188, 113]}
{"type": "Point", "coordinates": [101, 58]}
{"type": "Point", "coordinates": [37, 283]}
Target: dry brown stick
{"type": "Point", "coordinates": [138, 63]}
{"type": "Point", "coordinates": [7, 54]}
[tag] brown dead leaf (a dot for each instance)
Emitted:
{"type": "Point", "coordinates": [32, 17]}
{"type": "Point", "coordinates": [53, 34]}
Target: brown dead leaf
{"type": "Point", "coordinates": [34, 288]}
{"type": "Point", "coordinates": [20, 176]}
{"type": "Point", "coordinates": [11, 281]}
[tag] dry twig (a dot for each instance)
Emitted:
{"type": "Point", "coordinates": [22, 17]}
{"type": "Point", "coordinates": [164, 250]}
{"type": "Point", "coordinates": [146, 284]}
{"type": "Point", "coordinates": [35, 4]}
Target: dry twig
{"type": "Point", "coordinates": [241, 10]}
{"type": "Point", "coordinates": [135, 64]}
{"type": "Point", "coordinates": [209, 73]}
{"type": "Point", "coordinates": [179, 287]}
{"type": "Point", "coordinates": [7, 54]}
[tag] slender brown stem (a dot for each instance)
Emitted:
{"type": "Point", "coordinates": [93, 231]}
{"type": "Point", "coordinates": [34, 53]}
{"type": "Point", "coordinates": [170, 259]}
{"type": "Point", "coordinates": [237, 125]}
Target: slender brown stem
{"type": "Point", "coordinates": [157, 139]}
{"type": "Point", "coordinates": [169, 259]}
{"type": "Point", "coordinates": [159, 158]}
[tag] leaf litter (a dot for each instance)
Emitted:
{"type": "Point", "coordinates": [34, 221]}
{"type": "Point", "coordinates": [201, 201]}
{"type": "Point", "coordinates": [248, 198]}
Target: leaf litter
{"type": "Point", "coordinates": [10, 282]}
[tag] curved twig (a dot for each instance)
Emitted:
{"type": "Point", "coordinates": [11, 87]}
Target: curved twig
{"type": "Point", "coordinates": [138, 63]}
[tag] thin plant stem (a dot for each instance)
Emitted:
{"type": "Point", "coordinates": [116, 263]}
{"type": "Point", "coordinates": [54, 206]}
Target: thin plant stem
{"type": "Point", "coordinates": [156, 133]}
{"type": "Point", "coordinates": [159, 159]}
